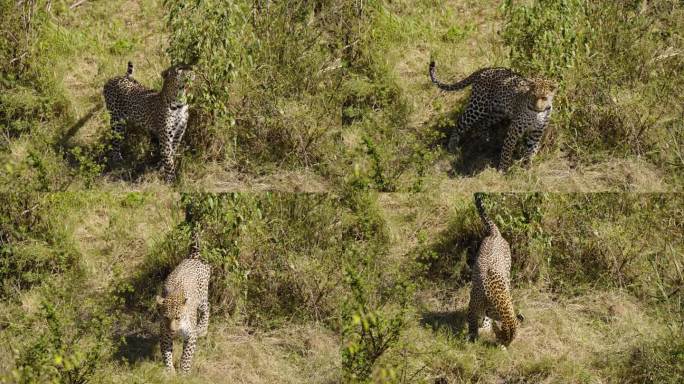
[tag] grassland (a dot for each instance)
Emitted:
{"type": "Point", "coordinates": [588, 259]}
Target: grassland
{"type": "Point", "coordinates": [294, 272]}
{"type": "Point", "coordinates": [267, 117]}
{"type": "Point", "coordinates": [339, 229]}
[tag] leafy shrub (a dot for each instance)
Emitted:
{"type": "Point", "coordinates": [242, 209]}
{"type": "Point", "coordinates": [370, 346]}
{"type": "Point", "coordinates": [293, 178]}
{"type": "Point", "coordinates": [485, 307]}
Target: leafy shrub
{"type": "Point", "coordinates": [369, 330]}
{"type": "Point", "coordinates": [295, 84]}
{"type": "Point", "coordinates": [31, 246]}
{"type": "Point", "coordinates": [67, 342]}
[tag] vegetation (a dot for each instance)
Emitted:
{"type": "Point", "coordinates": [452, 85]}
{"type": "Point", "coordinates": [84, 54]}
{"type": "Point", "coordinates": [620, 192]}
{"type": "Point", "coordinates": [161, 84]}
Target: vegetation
{"type": "Point", "coordinates": [358, 287]}
{"type": "Point", "coordinates": [339, 230]}
{"type": "Point", "coordinates": [318, 95]}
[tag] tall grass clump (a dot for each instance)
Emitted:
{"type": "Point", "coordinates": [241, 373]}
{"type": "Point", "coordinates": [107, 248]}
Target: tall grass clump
{"type": "Point", "coordinates": [46, 336]}
{"type": "Point", "coordinates": [293, 85]}
{"type": "Point", "coordinates": [618, 65]}
{"type": "Point", "coordinates": [33, 246]}
{"type": "Point", "coordinates": [276, 257]}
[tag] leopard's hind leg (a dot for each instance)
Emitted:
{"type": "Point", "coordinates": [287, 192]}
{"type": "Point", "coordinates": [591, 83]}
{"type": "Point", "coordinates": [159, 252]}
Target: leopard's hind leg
{"type": "Point", "coordinates": [474, 116]}
{"type": "Point", "coordinates": [475, 311]}
{"type": "Point", "coordinates": [118, 127]}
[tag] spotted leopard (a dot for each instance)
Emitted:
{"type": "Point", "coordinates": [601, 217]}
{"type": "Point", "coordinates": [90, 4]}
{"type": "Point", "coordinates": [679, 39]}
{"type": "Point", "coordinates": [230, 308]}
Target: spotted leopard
{"type": "Point", "coordinates": [163, 113]}
{"type": "Point", "coordinates": [490, 294]}
{"type": "Point", "coordinates": [184, 306]}
{"type": "Point", "coordinates": [502, 94]}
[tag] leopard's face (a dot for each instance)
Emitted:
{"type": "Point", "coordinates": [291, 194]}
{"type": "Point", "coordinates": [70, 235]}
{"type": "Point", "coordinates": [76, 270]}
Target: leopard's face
{"type": "Point", "coordinates": [505, 333]}
{"type": "Point", "coordinates": [171, 309]}
{"type": "Point", "coordinates": [541, 94]}
{"type": "Point", "coordinates": [178, 77]}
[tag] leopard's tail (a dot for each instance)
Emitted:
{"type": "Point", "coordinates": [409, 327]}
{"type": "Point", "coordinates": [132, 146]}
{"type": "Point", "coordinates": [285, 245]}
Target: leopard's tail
{"type": "Point", "coordinates": [129, 70]}
{"type": "Point", "coordinates": [492, 229]}
{"type": "Point", "coordinates": [498, 294]}
{"type": "Point", "coordinates": [451, 87]}
{"type": "Point", "coordinates": [195, 245]}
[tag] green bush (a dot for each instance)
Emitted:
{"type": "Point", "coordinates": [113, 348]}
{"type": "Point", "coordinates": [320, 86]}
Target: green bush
{"type": "Point", "coordinates": [275, 257]}
{"type": "Point", "coordinates": [370, 329]}
{"type": "Point", "coordinates": [292, 85]}
{"type": "Point", "coordinates": [32, 245]}
{"type": "Point", "coordinates": [67, 343]}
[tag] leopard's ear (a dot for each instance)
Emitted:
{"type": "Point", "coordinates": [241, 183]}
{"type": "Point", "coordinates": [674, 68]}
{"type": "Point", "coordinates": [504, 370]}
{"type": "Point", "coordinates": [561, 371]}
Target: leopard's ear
{"type": "Point", "coordinates": [159, 300]}
{"type": "Point", "coordinates": [553, 86]}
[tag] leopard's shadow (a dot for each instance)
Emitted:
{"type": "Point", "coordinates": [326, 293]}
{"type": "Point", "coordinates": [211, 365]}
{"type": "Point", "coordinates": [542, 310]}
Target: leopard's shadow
{"type": "Point", "coordinates": [479, 149]}
{"type": "Point", "coordinates": [140, 152]}
{"type": "Point", "coordinates": [140, 346]}
{"type": "Point", "coordinates": [454, 321]}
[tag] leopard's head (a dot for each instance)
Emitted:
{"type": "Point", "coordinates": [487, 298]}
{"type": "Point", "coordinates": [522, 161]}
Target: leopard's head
{"type": "Point", "coordinates": [506, 330]}
{"type": "Point", "coordinates": [176, 79]}
{"type": "Point", "coordinates": [541, 93]}
{"type": "Point", "coordinates": [171, 308]}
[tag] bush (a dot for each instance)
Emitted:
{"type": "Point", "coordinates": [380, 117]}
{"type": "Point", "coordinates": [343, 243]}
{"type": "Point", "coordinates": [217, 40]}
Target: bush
{"type": "Point", "coordinates": [292, 85]}
{"type": "Point", "coordinates": [32, 247]}
{"type": "Point", "coordinates": [370, 330]}
{"type": "Point", "coordinates": [67, 343]}
{"type": "Point", "coordinates": [275, 257]}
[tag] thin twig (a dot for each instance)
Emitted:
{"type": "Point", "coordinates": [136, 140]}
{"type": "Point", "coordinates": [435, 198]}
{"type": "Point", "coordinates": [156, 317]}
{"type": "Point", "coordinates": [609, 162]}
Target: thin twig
{"type": "Point", "coordinates": [76, 4]}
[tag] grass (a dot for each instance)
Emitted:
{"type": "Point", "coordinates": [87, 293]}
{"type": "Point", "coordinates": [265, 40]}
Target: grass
{"type": "Point", "coordinates": [598, 307]}
{"type": "Point", "coordinates": [367, 114]}
{"type": "Point", "coordinates": [339, 230]}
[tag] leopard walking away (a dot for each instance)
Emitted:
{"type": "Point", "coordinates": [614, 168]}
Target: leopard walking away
{"type": "Point", "coordinates": [490, 294]}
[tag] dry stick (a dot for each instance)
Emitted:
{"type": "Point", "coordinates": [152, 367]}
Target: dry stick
{"type": "Point", "coordinates": [76, 4]}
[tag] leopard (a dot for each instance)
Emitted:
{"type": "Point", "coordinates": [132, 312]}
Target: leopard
{"type": "Point", "coordinates": [184, 306]}
{"type": "Point", "coordinates": [490, 294]}
{"type": "Point", "coordinates": [501, 94]}
{"type": "Point", "coordinates": [163, 113]}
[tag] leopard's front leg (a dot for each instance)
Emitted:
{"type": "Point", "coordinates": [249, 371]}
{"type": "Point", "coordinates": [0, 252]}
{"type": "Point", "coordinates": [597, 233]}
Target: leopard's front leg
{"type": "Point", "coordinates": [515, 132]}
{"type": "Point", "coordinates": [188, 352]}
{"type": "Point", "coordinates": [166, 344]}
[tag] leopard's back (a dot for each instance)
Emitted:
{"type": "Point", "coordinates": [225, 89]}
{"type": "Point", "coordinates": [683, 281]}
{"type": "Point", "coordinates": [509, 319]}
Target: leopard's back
{"type": "Point", "coordinates": [127, 99]}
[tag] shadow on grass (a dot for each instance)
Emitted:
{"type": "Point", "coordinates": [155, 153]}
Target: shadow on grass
{"type": "Point", "coordinates": [139, 151]}
{"type": "Point", "coordinates": [450, 256]}
{"type": "Point", "coordinates": [454, 321]}
{"type": "Point", "coordinates": [478, 148]}
{"type": "Point", "coordinates": [137, 347]}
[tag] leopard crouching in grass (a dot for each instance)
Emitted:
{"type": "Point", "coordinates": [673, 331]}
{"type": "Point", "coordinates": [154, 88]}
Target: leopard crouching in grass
{"type": "Point", "coordinates": [163, 113]}
{"type": "Point", "coordinates": [184, 306]}
{"type": "Point", "coordinates": [490, 294]}
{"type": "Point", "coordinates": [498, 94]}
